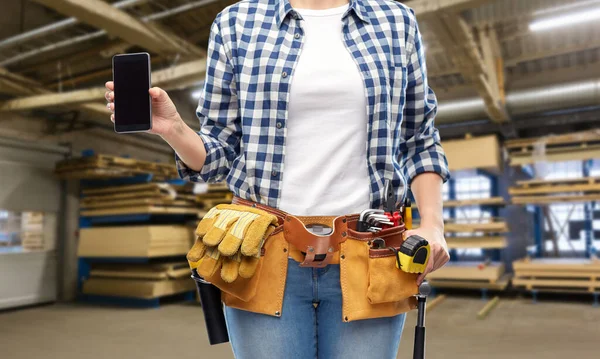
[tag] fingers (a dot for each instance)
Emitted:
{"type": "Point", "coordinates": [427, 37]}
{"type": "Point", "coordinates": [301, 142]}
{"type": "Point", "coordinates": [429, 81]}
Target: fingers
{"type": "Point", "coordinates": [112, 118]}
{"type": "Point", "coordinates": [109, 96]}
{"type": "Point", "coordinates": [110, 86]}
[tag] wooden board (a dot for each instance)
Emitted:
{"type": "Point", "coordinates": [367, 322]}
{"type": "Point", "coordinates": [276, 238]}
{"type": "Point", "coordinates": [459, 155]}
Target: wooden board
{"type": "Point", "coordinates": [556, 199]}
{"type": "Point", "coordinates": [573, 153]}
{"type": "Point", "coordinates": [469, 271]}
{"type": "Point", "coordinates": [530, 284]}
{"type": "Point", "coordinates": [137, 288]}
{"type": "Point", "coordinates": [133, 194]}
{"type": "Point", "coordinates": [136, 187]}
{"type": "Point", "coordinates": [558, 264]}
{"type": "Point", "coordinates": [484, 242]}
{"type": "Point", "coordinates": [460, 154]}
{"type": "Point", "coordinates": [135, 241]}
{"type": "Point", "coordinates": [548, 189]}
{"type": "Point", "coordinates": [553, 140]}
{"type": "Point", "coordinates": [135, 202]}
{"type": "Point", "coordinates": [500, 284]}
{"type": "Point", "coordinates": [142, 271]}
{"type": "Point", "coordinates": [138, 210]}
{"type": "Point", "coordinates": [582, 180]}
{"type": "Point", "coordinates": [104, 166]}
{"type": "Point", "coordinates": [489, 227]}
{"type": "Point", "coordinates": [492, 201]}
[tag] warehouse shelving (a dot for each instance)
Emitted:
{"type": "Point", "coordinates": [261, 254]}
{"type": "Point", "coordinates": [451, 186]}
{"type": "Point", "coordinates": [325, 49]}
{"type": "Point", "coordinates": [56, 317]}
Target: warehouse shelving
{"type": "Point", "coordinates": [473, 226]}
{"type": "Point", "coordinates": [578, 270]}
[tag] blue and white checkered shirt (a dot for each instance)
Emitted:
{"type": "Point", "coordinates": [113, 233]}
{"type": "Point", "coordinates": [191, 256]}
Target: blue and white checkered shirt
{"type": "Point", "coordinates": [253, 49]}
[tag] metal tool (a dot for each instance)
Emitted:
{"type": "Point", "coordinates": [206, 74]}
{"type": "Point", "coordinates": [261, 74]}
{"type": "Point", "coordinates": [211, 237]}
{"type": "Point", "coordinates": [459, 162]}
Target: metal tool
{"type": "Point", "coordinates": [419, 348]}
{"type": "Point", "coordinates": [210, 298]}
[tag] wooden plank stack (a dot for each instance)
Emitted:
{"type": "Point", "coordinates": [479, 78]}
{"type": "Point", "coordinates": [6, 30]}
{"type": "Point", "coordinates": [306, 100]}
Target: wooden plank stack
{"type": "Point", "coordinates": [32, 231]}
{"type": "Point", "coordinates": [573, 146]}
{"type": "Point", "coordinates": [476, 233]}
{"type": "Point", "coordinates": [105, 166]}
{"type": "Point", "coordinates": [553, 191]}
{"type": "Point", "coordinates": [147, 198]}
{"type": "Point", "coordinates": [147, 241]}
{"type": "Point", "coordinates": [217, 193]}
{"type": "Point", "coordinates": [558, 274]}
{"type": "Point", "coordinates": [139, 281]}
{"type": "Point", "coordinates": [470, 275]}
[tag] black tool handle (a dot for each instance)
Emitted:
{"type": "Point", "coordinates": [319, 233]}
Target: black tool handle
{"type": "Point", "coordinates": [210, 298]}
{"type": "Point", "coordinates": [419, 350]}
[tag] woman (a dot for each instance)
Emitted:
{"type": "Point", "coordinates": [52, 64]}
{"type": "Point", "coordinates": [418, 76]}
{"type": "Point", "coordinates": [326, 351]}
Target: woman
{"type": "Point", "coordinates": [294, 90]}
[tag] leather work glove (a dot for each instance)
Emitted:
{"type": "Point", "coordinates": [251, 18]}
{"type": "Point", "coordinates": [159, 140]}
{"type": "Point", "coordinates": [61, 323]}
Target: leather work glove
{"type": "Point", "coordinates": [230, 237]}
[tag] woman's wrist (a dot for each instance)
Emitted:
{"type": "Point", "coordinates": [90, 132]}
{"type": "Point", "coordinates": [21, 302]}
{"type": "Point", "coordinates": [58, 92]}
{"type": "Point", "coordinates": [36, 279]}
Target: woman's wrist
{"type": "Point", "coordinates": [176, 130]}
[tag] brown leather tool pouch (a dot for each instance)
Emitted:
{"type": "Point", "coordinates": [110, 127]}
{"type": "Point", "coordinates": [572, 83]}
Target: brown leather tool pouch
{"type": "Point", "coordinates": [386, 282]}
{"type": "Point", "coordinates": [263, 293]}
{"type": "Point", "coordinates": [372, 286]}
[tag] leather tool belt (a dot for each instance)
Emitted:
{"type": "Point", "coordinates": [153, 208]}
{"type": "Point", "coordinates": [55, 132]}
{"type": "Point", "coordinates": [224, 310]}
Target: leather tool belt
{"type": "Point", "coordinates": [320, 250]}
{"type": "Point", "coordinates": [371, 285]}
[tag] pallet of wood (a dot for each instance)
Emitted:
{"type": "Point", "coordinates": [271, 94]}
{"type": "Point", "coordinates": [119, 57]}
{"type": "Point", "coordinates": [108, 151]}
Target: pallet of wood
{"type": "Point", "coordinates": [469, 271]}
{"type": "Point", "coordinates": [484, 225]}
{"type": "Point", "coordinates": [557, 274]}
{"type": "Point", "coordinates": [483, 242]}
{"type": "Point", "coordinates": [216, 193]}
{"type": "Point", "coordinates": [567, 147]}
{"type": "Point", "coordinates": [139, 281]}
{"type": "Point", "coordinates": [147, 198]}
{"type": "Point", "coordinates": [492, 201]}
{"type": "Point", "coordinates": [146, 241]}
{"type": "Point", "coordinates": [558, 190]}
{"type": "Point", "coordinates": [33, 240]}
{"type": "Point", "coordinates": [105, 166]}
{"type": "Point", "coordinates": [32, 231]}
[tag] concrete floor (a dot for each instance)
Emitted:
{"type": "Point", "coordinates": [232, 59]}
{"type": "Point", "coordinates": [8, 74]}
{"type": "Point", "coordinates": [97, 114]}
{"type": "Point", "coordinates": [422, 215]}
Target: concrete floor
{"type": "Point", "coordinates": [515, 329]}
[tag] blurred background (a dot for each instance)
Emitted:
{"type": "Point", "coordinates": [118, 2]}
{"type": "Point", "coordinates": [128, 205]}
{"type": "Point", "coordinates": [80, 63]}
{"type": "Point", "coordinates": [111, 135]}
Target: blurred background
{"type": "Point", "coordinates": [94, 226]}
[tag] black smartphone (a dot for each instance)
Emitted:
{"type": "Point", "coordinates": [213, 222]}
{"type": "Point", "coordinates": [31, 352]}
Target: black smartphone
{"type": "Point", "coordinates": [133, 104]}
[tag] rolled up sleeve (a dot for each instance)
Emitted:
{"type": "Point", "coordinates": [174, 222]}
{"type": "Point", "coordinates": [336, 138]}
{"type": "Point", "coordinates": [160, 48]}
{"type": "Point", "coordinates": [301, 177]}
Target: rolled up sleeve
{"type": "Point", "coordinates": [420, 141]}
{"type": "Point", "coordinates": [218, 112]}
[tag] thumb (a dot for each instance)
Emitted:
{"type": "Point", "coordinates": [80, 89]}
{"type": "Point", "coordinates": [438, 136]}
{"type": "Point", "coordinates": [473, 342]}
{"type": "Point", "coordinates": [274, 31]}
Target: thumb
{"type": "Point", "coordinates": [409, 233]}
{"type": "Point", "coordinates": [157, 94]}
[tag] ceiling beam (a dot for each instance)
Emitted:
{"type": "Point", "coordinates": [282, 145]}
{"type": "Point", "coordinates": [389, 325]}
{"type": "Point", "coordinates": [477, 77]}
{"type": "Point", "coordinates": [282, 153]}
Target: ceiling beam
{"type": "Point", "coordinates": [532, 56]}
{"type": "Point", "coordinates": [492, 58]}
{"type": "Point", "coordinates": [170, 77]}
{"type": "Point", "coordinates": [456, 37]}
{"type": "Point", "coordinates": [425, 9]}
{"type": "Point", "coordinates": [118, 23]}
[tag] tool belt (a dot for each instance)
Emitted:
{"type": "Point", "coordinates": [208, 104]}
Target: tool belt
{"type": "Point", "coordinates": [372, 286]}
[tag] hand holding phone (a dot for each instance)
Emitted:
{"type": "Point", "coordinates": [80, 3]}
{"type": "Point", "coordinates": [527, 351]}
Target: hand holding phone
{"type": "Point", "coordinates": [136, 107]}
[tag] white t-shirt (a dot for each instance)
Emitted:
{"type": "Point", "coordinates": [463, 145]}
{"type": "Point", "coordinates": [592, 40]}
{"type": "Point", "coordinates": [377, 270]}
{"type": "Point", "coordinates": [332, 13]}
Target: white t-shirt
{"type": "Point", "coordinates": [325, 163]}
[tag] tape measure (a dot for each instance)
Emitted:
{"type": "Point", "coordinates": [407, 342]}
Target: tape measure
{"type": "Point", "coordinates": [413, 255]}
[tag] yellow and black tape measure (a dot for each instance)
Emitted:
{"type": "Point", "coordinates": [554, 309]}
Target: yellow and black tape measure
{"type": "Point", "coordinates": [413, 255]}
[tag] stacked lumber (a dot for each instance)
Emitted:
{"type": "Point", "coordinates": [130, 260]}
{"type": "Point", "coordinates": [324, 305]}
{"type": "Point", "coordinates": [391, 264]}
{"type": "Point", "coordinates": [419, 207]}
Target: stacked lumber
{"type": "Point", "coordinates": [216, 193]}
{"type": "Point", "coordinates": [32, 230]}
{"type": "Point", "coordinates": [485, 233]}
{"type": "Point", "coordinates": [147, 198]}
{"type": "Point", "coordinates": [139, 281]}
{"type": "Point", "coordinates": [574, 146]}
{"type": "Point", "coordinates": [148, 241]}
{"type": "Point", "coordinates": [105, 166]}
{"type": "Point", "coordinates": [557, 274]}
{"type": "Point", "coordinates": [470, 275]}
{"type": "Point", "coordinates": [553, 191]}
{"type": "Point", "coordinates": [491, 201]}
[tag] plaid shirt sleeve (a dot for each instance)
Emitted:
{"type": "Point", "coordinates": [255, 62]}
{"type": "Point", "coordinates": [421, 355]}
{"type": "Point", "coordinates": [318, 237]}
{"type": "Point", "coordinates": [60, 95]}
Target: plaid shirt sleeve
{"type": "Point", "coordinates": [419, 139]}
{"type": "Point", "coordinates": [218, 113]}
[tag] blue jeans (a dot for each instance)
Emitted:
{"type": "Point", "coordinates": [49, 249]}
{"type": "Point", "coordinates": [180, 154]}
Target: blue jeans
{"type": "Point", "coordinates": [311, 324]}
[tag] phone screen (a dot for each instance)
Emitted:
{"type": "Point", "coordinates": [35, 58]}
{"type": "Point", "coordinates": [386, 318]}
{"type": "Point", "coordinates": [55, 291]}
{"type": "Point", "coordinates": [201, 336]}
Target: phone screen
{"type": "Point", "coordinates": [131, 75]}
